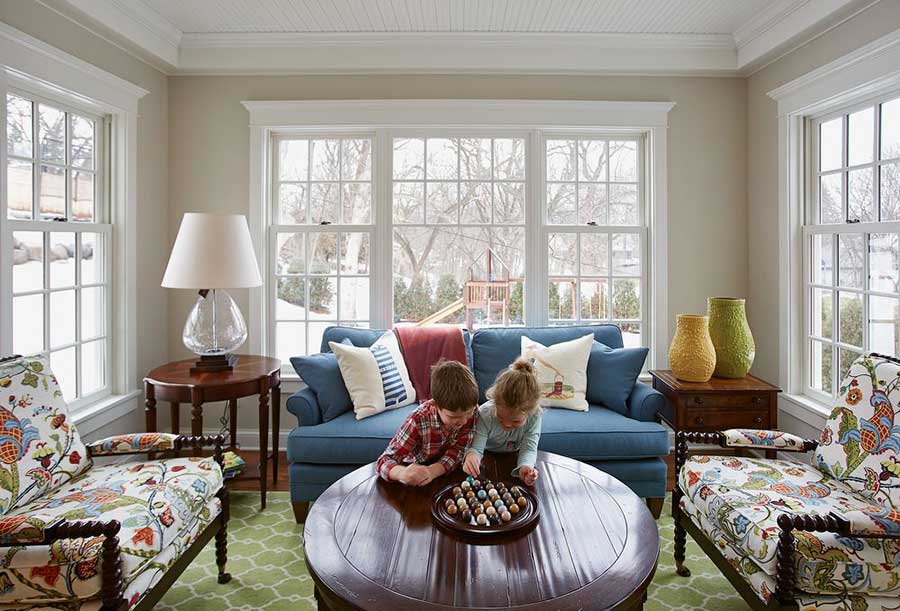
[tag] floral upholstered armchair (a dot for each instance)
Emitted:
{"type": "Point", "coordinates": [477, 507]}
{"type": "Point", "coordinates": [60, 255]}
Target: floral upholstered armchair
{"type": "Point", "coordinates": [789, 535]}
{"type": "Point", "coordinates": [75, 535]}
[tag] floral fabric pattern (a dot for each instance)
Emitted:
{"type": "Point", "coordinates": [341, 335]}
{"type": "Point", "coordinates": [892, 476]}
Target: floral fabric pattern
{"type": "Point", "coordinates": [135, 442]}
{"type": "Point", "coordinates": [40, 449]}
{"type": "Point", "coordinates": [767, 440]}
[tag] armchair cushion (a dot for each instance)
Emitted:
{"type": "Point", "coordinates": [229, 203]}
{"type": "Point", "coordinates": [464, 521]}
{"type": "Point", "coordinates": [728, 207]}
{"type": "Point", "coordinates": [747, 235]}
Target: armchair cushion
{"type": "Point", "coordinates": [40, 449]}
{"type": "Point", "coordinates": [162, 506]}
{"type": "Point", "coordinates": [765, 440]}
{"type": "Point", "coordinates": [133, 442]}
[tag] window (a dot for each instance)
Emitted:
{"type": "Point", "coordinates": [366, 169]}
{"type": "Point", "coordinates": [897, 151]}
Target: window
{"type": "Point", "coordinates": [851, 241]}
{"type": "Point", "coordinates": [60, 232]}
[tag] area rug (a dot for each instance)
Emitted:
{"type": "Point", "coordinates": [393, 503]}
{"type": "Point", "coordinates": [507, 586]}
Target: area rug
{"type": "Point", "coordinates": [265, 558]}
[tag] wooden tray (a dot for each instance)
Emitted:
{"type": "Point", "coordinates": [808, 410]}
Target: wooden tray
{"type": "Point", "coordinates": [520, 523]}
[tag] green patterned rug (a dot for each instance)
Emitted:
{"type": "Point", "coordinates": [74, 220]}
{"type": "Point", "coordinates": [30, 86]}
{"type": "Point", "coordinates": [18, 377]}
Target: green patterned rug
{"type": "Point", "coordinates": [265, 558]}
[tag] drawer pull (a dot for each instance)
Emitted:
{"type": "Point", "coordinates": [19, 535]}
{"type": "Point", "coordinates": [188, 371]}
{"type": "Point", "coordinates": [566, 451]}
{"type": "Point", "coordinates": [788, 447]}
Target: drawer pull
{"type": "Point", "coordinates": [699, 421]}
{"type": "Point", "coordinates": [757, 420]}
{"type": "Point", "coordinates": [757, 400]}
{"type": "Point", "coordinates": [698, 400]}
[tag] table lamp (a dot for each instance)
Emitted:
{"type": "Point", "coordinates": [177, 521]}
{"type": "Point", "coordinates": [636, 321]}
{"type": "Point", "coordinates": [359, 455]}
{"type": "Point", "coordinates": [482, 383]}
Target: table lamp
{"type": "Point", "coordinates": [213, 252]}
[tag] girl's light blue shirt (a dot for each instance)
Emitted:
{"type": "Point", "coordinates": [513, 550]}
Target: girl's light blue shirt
{"type": "Point", "coordinates": [489, 435]}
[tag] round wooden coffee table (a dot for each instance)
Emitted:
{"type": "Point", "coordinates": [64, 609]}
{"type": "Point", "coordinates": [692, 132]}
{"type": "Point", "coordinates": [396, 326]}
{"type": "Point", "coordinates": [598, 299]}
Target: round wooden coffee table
{"type": "Point", "coordinates": [373, 545]}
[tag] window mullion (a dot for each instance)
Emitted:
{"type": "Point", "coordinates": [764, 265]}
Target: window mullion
{"type": "Point", "coordinates": [536, 281]}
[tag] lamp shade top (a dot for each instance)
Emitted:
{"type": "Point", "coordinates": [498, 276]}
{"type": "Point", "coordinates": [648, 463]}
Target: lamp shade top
{"type": "Point", "coordinates": [212, 251]}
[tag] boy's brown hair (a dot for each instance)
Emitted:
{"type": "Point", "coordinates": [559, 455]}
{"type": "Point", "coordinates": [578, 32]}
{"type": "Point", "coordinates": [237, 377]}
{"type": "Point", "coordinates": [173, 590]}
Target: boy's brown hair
{"type": "Point", "coordinates": [453, 386]}
{"type": "Point", "coordinates": [516, 388]}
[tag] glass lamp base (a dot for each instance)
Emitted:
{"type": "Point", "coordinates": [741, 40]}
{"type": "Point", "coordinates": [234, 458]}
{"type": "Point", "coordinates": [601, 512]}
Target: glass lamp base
{"type": "Point", "coordinates": [215, 325]}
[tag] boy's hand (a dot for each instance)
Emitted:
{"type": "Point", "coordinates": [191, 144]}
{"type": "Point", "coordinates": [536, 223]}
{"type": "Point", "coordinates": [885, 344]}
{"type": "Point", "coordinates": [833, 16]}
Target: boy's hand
{"type": "Point", "coordinates": [472, 464]}
{"type": "Point", "coordinates": [431, 472]}
{"type": "Point", "coordinates": [411, 475]}
{"type": "Point", "coordinates": [528, 475]}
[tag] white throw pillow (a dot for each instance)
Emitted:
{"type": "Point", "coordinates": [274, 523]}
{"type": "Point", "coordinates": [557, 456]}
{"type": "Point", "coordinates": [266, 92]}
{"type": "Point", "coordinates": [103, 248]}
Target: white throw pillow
{"type": "Point", "coordinates": [561, 371]}
{"type": "Point", "coordinates": [376, 377]}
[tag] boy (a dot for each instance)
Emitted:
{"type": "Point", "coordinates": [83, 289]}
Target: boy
{"type": "Point", "coordinates": [432, 439]}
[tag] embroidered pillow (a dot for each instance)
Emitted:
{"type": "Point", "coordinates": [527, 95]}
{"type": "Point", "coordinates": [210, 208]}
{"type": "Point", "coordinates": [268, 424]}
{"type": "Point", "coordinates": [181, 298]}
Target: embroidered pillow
{"type": "Point", "coordinates": [561, 371]}
{"type": "Point", "coordinates": [376, 377]}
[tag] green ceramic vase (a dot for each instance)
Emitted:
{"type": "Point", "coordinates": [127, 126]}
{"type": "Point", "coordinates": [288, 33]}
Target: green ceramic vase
{"type": "Point", "coordinates": [731, 337]}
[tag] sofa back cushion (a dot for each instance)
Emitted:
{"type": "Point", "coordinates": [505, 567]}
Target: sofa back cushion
{"type": "Point", "coordinates": [494, 348]}
{"type": "Point", "coordinates": [860, 443]}
{"type": "Point", "coordinates": [40, 449]}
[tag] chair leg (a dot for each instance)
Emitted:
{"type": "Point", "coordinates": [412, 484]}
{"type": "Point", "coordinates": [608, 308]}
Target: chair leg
{"type": "Point", "coordinates": [301, 510]}
{"type": "Point", "coordinates": [222, 537]}
{"type": "Point", "coordinates": [680, 546]}
{"type": "Point", "coordinates": [655, 505]}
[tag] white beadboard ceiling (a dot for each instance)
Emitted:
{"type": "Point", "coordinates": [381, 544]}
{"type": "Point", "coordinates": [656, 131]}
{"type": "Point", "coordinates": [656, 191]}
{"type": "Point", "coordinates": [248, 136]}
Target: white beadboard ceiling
{"type": "Point", "coordinates": [587, 16]}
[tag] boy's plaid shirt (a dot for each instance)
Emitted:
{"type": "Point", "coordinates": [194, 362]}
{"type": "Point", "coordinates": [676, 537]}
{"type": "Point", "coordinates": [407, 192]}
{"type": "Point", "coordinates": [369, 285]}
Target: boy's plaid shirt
{"type": "Point", "coordinates": [423, 439]}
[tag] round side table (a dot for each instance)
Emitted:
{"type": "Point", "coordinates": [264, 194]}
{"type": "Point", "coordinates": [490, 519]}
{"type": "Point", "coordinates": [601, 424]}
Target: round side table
{"type": "Point", "coordinates": [252, 375]}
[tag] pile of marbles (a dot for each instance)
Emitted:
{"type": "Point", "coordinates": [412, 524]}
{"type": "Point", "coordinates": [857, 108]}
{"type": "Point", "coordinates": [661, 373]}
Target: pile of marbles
{"type": "Point", "coordinates": [483, 503]}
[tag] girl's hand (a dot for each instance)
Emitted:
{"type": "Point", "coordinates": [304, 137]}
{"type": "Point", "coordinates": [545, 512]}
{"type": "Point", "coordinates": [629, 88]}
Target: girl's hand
{"type": "Point", "coordinates": [528, 475]}
{"type": "Point", "coordinates": [472, 464]}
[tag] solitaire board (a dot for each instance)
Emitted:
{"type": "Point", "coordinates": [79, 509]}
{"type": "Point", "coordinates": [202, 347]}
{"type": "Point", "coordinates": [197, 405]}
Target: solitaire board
{"type": "Point", "coordinates": [484, 509]}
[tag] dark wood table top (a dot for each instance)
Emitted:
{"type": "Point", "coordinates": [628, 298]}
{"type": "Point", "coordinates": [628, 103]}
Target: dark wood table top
{"type": "Point", "coordinates": [248, 368]}
{"type": "Point", "coordinates": [372, 545]}
{"type": "Point", "coordinates": [748, 383]}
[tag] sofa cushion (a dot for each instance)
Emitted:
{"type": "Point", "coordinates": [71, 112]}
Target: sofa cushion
{"type": "Point", "coordinates": [322, 374]}
{"type": "Point", "coordinates": [494, 348]}
{"type": "Point", "coordinates": [611, 374]}
{"type": "Point", "coordinates": [346, 440]}
{"type": "Point", "coordinates": [601, 434]}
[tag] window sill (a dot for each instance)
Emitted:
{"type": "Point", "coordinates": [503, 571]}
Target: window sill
{"type": "Point", "coordinates": [90, 418]}
{"type": "Point", "coordinates": [805, 409]}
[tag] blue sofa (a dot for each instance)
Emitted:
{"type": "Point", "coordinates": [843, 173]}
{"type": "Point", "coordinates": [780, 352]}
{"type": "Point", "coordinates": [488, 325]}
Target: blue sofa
{"type": "Point", "coordinates": [629, 447]}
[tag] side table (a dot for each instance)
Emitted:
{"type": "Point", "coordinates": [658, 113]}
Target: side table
{"type": "Point", "coordinates": [717, 405]}
{"type": "Point", "coordinates": [252, 375]}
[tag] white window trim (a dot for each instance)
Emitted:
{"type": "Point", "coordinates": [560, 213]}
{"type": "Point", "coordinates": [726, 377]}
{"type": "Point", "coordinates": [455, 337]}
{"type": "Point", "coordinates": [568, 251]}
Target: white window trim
{"type": "Point", "coordinates": [868, 72]}
{"type": "Point", "coordinates": [383, 116]}
{"type": "Point", "coordinates": [30, 64]}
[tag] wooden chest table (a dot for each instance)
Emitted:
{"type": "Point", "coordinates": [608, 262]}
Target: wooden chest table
{"type": "Point", "coordinates": [717, 405]}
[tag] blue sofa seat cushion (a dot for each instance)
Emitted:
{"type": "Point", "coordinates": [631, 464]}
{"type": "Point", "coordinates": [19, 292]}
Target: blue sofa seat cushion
{"type": "Point", "coordinates": [601, 434]}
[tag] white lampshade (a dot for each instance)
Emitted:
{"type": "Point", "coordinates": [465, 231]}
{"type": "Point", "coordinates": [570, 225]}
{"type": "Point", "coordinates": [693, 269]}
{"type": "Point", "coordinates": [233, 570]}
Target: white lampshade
{"type": "Point", "coordinates": [212, 251]}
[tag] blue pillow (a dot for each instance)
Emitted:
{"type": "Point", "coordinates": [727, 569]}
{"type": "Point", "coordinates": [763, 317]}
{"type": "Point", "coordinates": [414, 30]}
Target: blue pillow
{"type": "Point", "coordinates": [323, 376]}
{"type": "Point", "coordinates": [611, 374]}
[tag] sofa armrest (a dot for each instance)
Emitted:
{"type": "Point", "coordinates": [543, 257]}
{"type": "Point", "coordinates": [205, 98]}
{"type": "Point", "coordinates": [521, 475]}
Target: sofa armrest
{"type": "Point", "coordinates": [644, 402]}
{"type": "Point", "coordinates": [305, 406]}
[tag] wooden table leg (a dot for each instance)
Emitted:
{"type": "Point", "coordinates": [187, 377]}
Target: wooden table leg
{"type": "Point", "coordinates": [263, 441]}
{"type": "Point", "coordinates": [232, 424]}
{"type": "Point", "coordinates": [321, 605]}
{"type": "Point", "coordinates": [196, 416]}
{"type": "Point", "coordinates": [174, 422]}
{"type": "Point", "coordinates": [150, 412]}
{"type": "Point", "coordinates": [276, 430]}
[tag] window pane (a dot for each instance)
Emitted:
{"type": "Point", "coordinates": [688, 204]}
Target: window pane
{"type": "Point", "coordinates": [592, 159]}
{"type": "Point", "coordinates": [593, 203]}
{"type": "Point", "coordinates": [52, 133]}
{"type": "Point", "coordinates": [441, 163]}
{"type": "Point", "coordinates": [821, 359]}
{"type": "Point", "coordinates": [290, 256]}
{"type": "Point", "coordinates": [354, 298]}
{"type": "Point", "coordinates": [93, 367]}
{"type": "Point", "coordinates": [475, 158]}
{"type": "Point", "coordinates": [19, 189]}
{"type": "Point", "coordinates": [509, 203]}
{"type": "Point", "coordinates": [19, 138]}
{"type": "Point", "coordinates": [293, 203]}
{"type": "Point", "coordinates": [82, 154]}
{"type": "Point", "coordinates": [325, 159]}
{"type": "Point", "coordinates": [561, 160]}
{"type": "Point", "coordinates": [91, 258]}
{"type": "Point", "coordinates": [509, 159]}
{"type": "Point", "coordinates": [322, 298]}
{"type": "Point", "coordinates": [290, 340]}
{"type": "Point", "coordinates": [623, 205]}
{"type": "Point", "coordinates": [63, 365]}
{"type": "Point", "coordinates": [82, 196]}
{"type": "Point", "coordinates": [290, 298]}
{"type": "Point", "coordinates": [562, 300]}
{"type": "Point", "coordinates": [28, 256]}
{"type": "Point", "coordinates": [62, 318]}
{"type": "Point", "coordinates": [860, 195]}
{"type": "Point", "coordinates": [850, 259]}
{"type": "Point", "coordinates": [441, 202]}
{"type": "Point", "coordinates": [357, 203]}
{"type": "Point", "coordinates": [623, 165]}
{"type": "Point", "coordinates": [322, 252]}
{"type": "Point", "coordinates": [62, 259]}
{"type": "Point", "coordinates": [884, 263]}
{"type": "Point", "coordinates": [594, 254]}
{"type": "Point", "coordinates": [823, 259]}
{"type": "Point", "coordinates": [409, 158]}
{"type": "Point", "coordinates": [409, 198]}
{"type": "Point", "coordinates": [890, 192]}
{"type": "Point", "coordinates": [884, 325]}
{"type": "Point", "coordinates": [93, 312]}
{"type": "Point", "coordinates": [822, 313]}
{"type": "Point", "coordinates": [831, 145]}
{"type": "Point", "coordinates": [293, 160]}
{"type": "Point", "coordinates": [626, 254]}
{"type": "Point", "coordinates": [631, 334]}
{"type": "Point", "coordinates": [890, 129]}
{"type": "Point", "coordinates": [354, 253]}
{"type": "Point", "coordinates": [626, 299]}
{"type": "Point", "coordinates": [561, 255]}
{"type": "Point", "coordinates": [325, 201]}
{"type": "Point", "coordinates": [315, 331]}
{"type": "Point", "coordinates": [561, 203]}
{"type": "Point", "coordinates": [847, 358]}
{"type": "Point", "coordinates": [356, 159]}
{"type": "Point", "coordinates": [862, 136]}
{"type": "Point", "coordinates": [28, 324]}
{"type": "Point", "coordinates": [594, 299]}
{"type": "Point", "coordinates": [53, 192]}
{"type": "Point", "coordinates": [850, 330]}
{"type": "Point", "coordinates": [831, 207]}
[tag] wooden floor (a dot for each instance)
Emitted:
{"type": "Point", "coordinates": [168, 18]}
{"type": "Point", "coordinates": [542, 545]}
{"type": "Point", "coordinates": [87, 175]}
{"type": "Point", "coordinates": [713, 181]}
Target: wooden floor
{"type": "Point", "coordinates": [252, 457]}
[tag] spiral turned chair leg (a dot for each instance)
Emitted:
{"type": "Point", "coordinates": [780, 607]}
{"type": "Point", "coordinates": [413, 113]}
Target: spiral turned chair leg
{"type": "Point", "coordinates": [222, 538]}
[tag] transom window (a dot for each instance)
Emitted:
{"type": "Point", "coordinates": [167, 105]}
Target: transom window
{"type": "Point", "coordinates": [852, 251]}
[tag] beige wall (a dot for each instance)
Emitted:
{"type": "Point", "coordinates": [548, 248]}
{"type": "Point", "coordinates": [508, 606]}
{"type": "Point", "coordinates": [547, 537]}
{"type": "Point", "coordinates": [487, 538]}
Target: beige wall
{"type": "Point", "coordinates": [209, 159]}
{"type": "Point", "coordinates": [762, 127]}
{"type": "Point", "coordinates": [152, 206]}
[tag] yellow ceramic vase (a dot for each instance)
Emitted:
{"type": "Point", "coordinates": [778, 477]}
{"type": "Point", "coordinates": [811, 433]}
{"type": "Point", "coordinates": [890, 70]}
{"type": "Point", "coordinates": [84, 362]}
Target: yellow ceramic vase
{"type": "Point", "coordinates": [692, 356]}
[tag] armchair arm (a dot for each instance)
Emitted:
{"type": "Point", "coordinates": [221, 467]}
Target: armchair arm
{"type": "Point", "coordinates": [874, 521]}
{"type": "Point", "coordinates": [132, 443]}
{"type": "Point", "coordinates": [766, 440]}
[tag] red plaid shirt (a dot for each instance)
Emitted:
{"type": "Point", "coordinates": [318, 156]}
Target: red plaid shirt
{"type": "Point", "coordinates": [423, 439]}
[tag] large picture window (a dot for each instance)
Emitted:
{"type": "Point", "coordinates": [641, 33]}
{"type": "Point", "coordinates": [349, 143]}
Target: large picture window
{"type": "Point", "coordinates": [851, 241]}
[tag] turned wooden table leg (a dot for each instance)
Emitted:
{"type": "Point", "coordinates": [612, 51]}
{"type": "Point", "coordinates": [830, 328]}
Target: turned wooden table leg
{"type": "Point", "coordinates": [263, 439]}
{"type": "Point", "coordinates": [150, 412]}
{"type": "Point", "coordinates": [196, 416]}
{"type": "Point", "coordinates": [232, 424]}
{"type": "Point", "coordinates": [175, 417]}
{"type": "Point", "coordinates": [276, 430]}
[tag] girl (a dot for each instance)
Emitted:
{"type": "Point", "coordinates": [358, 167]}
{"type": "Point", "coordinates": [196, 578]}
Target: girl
{"type": "Point", "coordinates": [510, 421]}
